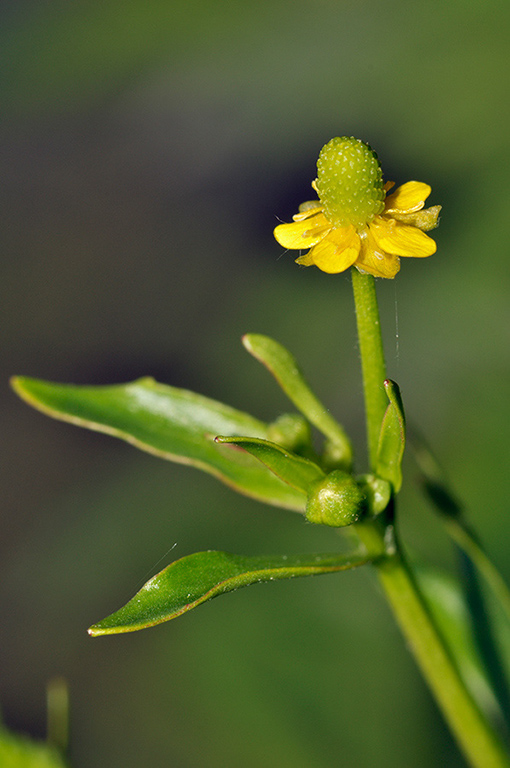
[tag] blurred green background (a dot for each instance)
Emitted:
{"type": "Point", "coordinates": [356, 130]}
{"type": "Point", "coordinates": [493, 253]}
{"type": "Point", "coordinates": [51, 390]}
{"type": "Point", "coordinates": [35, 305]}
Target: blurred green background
{"type": "Point", "coordinates": [147, 151]}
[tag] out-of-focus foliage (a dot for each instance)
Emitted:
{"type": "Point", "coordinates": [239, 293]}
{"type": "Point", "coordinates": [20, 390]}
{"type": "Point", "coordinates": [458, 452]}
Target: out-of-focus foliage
{"type": "Point", "coordinates": [147, 151]}
{"type": "Point", "coordinates": [20, 752]}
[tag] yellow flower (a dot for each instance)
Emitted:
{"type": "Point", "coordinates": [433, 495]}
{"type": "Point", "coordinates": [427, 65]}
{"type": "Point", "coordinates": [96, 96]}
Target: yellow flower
{"type": "Point", "coordinates": [354, 222]}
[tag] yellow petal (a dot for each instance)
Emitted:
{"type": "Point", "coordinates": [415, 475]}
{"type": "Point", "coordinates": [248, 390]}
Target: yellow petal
{"type": "Point", "coordinates": [337, 251]}
{"type": "Point", "coordinates": [305, 260]}
{"type": "Point", "coordinates": [408, 198]}
{"type": "Point", "coordinates": [374, 261]}
{"type": "Point", "coordinates": [387, 268]}
{"type": "Point", "coordinates": [400, 239]}
{"type": "Point", "coordinates": [426, 219]}
{"type": "Point", "coordinates": [302, 234]}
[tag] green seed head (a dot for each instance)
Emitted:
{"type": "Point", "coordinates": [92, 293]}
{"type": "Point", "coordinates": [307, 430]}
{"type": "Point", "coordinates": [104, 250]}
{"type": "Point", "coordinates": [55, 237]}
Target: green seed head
{"type": "Point", "coordinates": [349, 182]}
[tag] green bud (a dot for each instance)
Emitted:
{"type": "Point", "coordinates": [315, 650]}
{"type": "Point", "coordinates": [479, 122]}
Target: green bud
{"type": "Point", "coordinates": [291, 431]}
{"type": "Point", "coordinates": [377, 492]}
{"type": "Point", "coordinates": [337, 500]}
{"type": "Point", "coordinates": [334, 456]}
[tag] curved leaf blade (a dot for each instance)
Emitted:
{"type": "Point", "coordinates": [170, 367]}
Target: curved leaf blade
{"type": "Point", "coordinates": [284, 367]}
{"type": "Point", "coordinates": [194, 579]}
{"type": "Point", "coordinates": [174, 424]}
{"type": "Point", "coordinates": [295, 470]}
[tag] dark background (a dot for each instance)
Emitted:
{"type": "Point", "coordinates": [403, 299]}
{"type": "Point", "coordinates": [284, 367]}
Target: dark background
{"type": "Point", "coordinates": [147, 151]}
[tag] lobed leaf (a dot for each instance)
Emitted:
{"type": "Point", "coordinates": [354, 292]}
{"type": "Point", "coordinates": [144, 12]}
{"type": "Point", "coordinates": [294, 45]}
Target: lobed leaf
{"type": "Point", "coordinates": [194, 579]}
{"type": "Point", "coordinates": [172, 423]}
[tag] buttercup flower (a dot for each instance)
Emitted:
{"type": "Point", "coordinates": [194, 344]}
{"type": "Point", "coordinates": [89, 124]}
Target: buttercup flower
{"type": "Point", "coordinates": [355, 222]}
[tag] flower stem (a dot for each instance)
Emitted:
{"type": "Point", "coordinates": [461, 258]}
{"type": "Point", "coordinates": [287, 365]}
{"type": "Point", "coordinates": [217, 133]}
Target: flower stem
{"type": "Point", "coordinates": [475, 735]}
{"type": "Point", "coordinates": [372, 358]}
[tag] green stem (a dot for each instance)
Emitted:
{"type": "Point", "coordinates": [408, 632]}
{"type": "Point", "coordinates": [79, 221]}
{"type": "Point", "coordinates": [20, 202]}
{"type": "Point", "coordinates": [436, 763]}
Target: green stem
{"type": "Point", "coordinates": [475, 735]}
{"type": "Point", "coordinates": [372, 358]}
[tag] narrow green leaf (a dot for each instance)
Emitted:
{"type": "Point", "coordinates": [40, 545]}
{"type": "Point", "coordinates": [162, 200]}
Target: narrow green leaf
{"type": "Point", "coordinates": [194, 579]}
{"type": "Point", "coordinates": [298, 472]}
{"type": "Point", "coordinates": [392, 438]}
{"type": "Point", "coordinates": [442, 498]}
{"type": "Point", "coordinates": [452, 613]}
{"type": "Point", "coordinates": [171, 423]}
{"type": "Point", "coordinates": [284, 367]}
{"type": "Point", "coordinates": [490, 619]}
{"type": "Point", "coordinates": [468, 542]}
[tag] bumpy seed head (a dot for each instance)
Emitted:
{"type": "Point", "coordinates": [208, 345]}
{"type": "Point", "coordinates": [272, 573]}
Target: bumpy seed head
{"type": "Point", "coordinates": [349, 182]}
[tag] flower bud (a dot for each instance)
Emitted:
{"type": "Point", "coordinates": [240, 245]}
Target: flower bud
{"type": "Point", "coordinates": [334, 456]}
{"type": "Point", "coordinates": [291, 431]}
{"type": "Point", "coordinates": [377, 492]}
{"type": "Point", "coordinates": [337, 500]}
